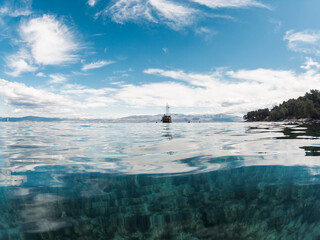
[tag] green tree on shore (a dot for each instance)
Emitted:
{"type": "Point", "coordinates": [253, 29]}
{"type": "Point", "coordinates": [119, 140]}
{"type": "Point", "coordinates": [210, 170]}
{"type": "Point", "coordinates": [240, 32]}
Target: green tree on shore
{"type": "Point", "coordinates": [307, 106]}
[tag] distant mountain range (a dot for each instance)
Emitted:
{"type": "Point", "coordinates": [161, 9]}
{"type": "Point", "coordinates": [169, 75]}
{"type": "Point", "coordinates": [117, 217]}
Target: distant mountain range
{"type": "Point", "coordinates": [133, 119]}
{"type": "Point", "coordinates": [30, 119]}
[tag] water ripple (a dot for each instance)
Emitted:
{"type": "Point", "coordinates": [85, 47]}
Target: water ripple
{"type": "Point", "coordinates": [151, 148]}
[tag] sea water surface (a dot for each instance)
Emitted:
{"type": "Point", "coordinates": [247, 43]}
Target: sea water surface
{"type": "Point", "coordinates": [159, 181]}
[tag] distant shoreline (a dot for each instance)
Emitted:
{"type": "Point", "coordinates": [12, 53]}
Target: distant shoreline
{"type": "Point", "coordinates": [177, 118]}
{"type": "Point", "coordinates": [300, 120]}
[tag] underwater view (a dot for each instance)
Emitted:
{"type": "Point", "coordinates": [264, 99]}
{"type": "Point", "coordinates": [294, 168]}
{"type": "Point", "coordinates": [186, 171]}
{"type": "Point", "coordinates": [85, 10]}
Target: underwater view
{"type": "Point", "coordinates": [159, 181]}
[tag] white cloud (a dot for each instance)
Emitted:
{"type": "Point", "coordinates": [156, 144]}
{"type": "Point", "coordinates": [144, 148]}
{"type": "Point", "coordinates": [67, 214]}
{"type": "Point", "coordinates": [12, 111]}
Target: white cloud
{"type": "Point", "coordinates": [19, 63]}
{"type": "Point", "coordinates": [224, 91]}
{"type": "Point", "coordinates": [50, 41]}
{"type": "Point", "coordinates": [30, 99]}
{"type": "Point", "coordinates": [5, 11]}
{"type": "Point", "coordinates": [157, 94]}
{"type": "Point", "coordinates": [307, 36]}
{"type": "Point", "coordinates": [57, 78]}
{"type": "Point", "coordinates": [68, 100]}
{"type": "Point", "coordinates": [130, 10]}
{"type": "Point", "coordinates": [16, 8]}
{"type": "Point", "coordinates": [307, 41]}
{"type": "Point", "coordinates": [77, 89]}
{"type": "Point", "coordinates": [202, 30]}
{"type": "Point", "coordinates": [205, 32]}
{"type": "Point", "coordinates": [195, 79]}
{"type": "Point", "coordinates": [219, 91]}
{"type": "Point", "coordinates": [230, 3]}
{"type": "Point", "coordinates": [40, 74]}
{"type": "Point", "coordinates": [90, 97]}
{"type": "Point", "coordinates": [95, 65]}
{"type": "Point", "coordinates": [173, 13]}
{"type": "Point", "coordinates": [310, 64]}
{"type": "Point", "coordinates": [92, 2]}
{"type": "Point", "coordinates": [157, 11]}
{"type": "Point", "coordinates": [44, 41]}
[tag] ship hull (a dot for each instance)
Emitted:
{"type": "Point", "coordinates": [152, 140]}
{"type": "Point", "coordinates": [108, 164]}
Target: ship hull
{"type": "Point", "coordinates": [166, 119]}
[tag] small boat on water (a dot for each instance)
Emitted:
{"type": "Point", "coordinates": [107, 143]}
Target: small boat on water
{"type": "Point", "coordinates": [166, 118]}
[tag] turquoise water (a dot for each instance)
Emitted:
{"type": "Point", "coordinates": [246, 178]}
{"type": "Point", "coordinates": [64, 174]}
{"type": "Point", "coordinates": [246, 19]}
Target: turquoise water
{"type": "Point", "coordinates": [159, 181]}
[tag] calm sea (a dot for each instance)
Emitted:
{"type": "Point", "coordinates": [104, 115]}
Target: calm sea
{"type": "Point", "coordinates": [159, 181]}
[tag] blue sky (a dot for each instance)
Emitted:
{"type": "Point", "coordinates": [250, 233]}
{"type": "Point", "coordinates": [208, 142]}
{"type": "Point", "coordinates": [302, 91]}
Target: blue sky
{"type": "Point", "coordinates": [98, 58]}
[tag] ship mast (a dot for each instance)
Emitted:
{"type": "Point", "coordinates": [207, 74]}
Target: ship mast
{"type": "Point", "coordinates": [166, 118]}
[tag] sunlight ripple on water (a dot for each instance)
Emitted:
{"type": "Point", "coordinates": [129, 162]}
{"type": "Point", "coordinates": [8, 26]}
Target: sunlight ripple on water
{"type": "Point", "coordinates": [159, 181]}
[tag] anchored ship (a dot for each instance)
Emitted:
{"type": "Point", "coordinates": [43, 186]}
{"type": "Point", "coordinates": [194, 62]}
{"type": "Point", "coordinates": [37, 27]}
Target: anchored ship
{"type": "Point", "coordinates": [166, 118]}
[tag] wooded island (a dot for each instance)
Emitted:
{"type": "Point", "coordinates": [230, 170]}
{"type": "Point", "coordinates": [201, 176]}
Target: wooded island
{"type": "Point", "coordinates": [306, 107]}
